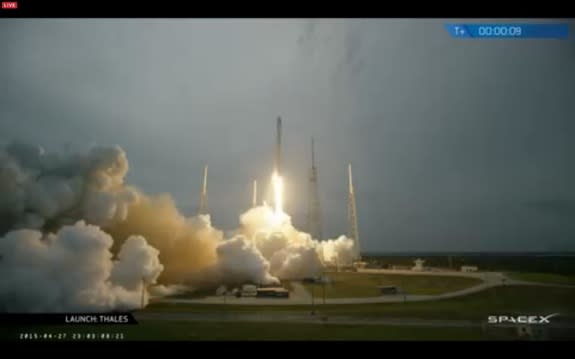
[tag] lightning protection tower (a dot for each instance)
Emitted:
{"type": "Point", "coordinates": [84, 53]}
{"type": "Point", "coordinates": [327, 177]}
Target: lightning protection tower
{"type": "Point", "coordinates": [314, 224]}
{"type": "Point", "coordinates": [353, 231]}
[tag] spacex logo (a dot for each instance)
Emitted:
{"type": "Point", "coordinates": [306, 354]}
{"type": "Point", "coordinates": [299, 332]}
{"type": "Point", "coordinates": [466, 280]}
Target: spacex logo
{"type": "Point", "coordinates": [522, 319]}
{"type": "Point", "coordinates": [6, 5]}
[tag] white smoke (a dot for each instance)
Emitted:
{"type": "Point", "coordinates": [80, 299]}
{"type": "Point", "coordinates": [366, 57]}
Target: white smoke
{"type": "Point", "coordinates": [137, 262]}
{"type": "Point", "coordinates": [267, 248]}
{"type": "Point", "coordinates": [336, 252]}
{"type": "Point", "coordinates": [82, 198]}
{"type": "Point", "coordinates": [239, 260]}
{"type": "Point", "coordinates": [292, 254]}
{"type": "Point", "coordinates": [73, 271]}
{"type": "Point", "coordinates": [43, 190]}
{"type": "Point", "coordinates": [167, 290]}
{"type": "Point", "coordinates": [296, 263]}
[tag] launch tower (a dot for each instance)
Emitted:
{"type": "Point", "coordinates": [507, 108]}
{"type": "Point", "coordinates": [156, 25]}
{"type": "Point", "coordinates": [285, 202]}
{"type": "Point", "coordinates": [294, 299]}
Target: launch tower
{"type": "Point", "coordinates": [314, 225]}
{"type": "Point", "coordinates": [353, 232]}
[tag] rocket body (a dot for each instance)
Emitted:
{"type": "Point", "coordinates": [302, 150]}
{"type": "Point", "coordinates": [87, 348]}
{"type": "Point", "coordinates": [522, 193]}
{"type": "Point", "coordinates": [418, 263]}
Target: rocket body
{"type": "Point", "coordinates": [350, 179]}
{"type": "Point", "coordinates": [203, 209]}
{"type": "Point", "coordinates": [277, 164]}
{"type": "Point", "coordinates": [205, 183]}
{"type": "Point", "coordinates": [255, 194]}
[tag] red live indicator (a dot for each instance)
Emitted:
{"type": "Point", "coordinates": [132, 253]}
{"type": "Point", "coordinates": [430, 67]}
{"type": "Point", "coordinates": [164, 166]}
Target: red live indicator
{"type": "Point", "coordinates": [9, 5]}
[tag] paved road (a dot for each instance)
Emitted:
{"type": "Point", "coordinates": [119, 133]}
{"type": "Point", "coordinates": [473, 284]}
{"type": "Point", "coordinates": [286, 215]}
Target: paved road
{"type": "Point", "coordinates": [290, 317]}
{"type": "Point", "coordinates": [300, 296]}
{"type": "Point", "coordinates": [295, 318]}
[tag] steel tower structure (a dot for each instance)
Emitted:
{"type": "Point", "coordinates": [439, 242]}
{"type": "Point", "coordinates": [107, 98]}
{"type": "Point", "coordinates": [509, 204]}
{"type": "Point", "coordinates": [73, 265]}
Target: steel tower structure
{"type": "Point", "coordinates": [314, 225]}
{"type": "Point", "coordinates": [353, 231]}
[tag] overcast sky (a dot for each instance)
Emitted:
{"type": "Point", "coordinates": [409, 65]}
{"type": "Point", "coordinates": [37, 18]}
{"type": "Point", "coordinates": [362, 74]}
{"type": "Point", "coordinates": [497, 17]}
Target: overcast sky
{"type": "Point", "coordinates": [455, 144]}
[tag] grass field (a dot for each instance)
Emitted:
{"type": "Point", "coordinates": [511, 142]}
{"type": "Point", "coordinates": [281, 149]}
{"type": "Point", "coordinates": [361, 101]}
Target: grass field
{"type": "Point", "coordinates": [179, 330]}
{"type": "Point", "coordinates": [355, 285]}
{"type": "Point", "coordinates": [543, 277]}
{"type": "Point", "coordinates": [499, 300]}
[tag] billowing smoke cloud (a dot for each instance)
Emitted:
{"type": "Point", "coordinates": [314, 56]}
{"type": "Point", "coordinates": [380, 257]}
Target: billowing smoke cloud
{"type": "Point", "coordinates": [73, 270]}
{"type": "Point", "coordinates": [239, 260]}
{"type": "Point", "coordinates": [77, 238]}
{"type": "Point", "coordinates": [186, 245]}
{"type": "Point", "coordinates": [44, 193]}
{"type": "Point", "coordinates": [195, 253]}
{"type": "Point", "coordinates": [40, 190]}
{"type": "Point", "coordinates": [43, 190]}
{"type": "Point", "coordinates": [292, 254]}
{"type": "Point", "coordinates": [296, 263]}
{"type": "Point", "coordinates": [137, 262]}
{"type": "Point", "coordinates": [337, 252]}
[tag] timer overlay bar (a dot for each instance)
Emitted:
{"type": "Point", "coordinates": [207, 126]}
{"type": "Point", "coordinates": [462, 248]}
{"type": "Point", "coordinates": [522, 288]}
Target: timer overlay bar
{"type": "Point", "coordinates": [509, 31]}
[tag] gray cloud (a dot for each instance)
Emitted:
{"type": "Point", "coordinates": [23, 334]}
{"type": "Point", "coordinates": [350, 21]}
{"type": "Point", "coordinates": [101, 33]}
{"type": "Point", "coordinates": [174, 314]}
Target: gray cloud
{"type": "Point", "coordinates": [556, 207]}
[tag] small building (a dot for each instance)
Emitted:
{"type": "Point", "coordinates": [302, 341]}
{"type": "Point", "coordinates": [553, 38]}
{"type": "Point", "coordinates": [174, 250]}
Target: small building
{"type": "Point", "coordinates": [418, 265]}
{"type": "Point", "coordinates": [274, 292]}
{"type": "Point", "coordinates": [389, 290]}
{"type": "Point", "coordinates": [249, 290]}
{"type": "Point", "coordinates": [469, 268]}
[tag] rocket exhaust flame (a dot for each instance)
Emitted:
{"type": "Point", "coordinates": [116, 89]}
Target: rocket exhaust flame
{"type": "Point", "coordinates": [277, 183]}
{"type": "Point", "coordinates": [278, 158]}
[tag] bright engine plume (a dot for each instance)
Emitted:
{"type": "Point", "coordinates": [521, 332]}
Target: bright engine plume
{"type": "Point", "coordinates": [277, 183]}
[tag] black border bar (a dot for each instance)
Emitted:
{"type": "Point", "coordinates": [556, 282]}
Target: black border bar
{"type": "Point", "coordinates": [282, 9]}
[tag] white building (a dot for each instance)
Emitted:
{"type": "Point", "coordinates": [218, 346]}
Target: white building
{"type": "Point", "coordinates": [418, 265]}
{"type": "Point", "coordinates": [469, 268]}
{"type": "Point", "coordinates": [249, 290]}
